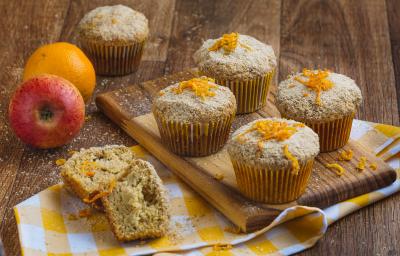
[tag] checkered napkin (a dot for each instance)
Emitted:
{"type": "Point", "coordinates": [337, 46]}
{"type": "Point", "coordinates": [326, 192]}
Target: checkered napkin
{"type": "Point", "coordinates": [45, 226]}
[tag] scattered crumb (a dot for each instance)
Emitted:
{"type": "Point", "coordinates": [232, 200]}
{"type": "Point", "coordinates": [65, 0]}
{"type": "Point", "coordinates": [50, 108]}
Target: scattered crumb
{"type": "Point", "coordinates": [88, 118]}
{"type": "Point", "coordinates": [72, 216]}
{"type": "Point", "coordinates": [339, 170]}
{"type": "Point", "coordinates": [222, 247]}
{"type": "Point", "coordinates": [60, 161]}
{"type": "Point", "coordinates": [346, 155]}
{"type": "Point", "coordinates": [291, 85]}
{"type": "Point", "coordinates": [219, 176]}
{"type": "Point", "coordinates": [361, 164]}
{"type": "Point", "coordinates": [233, 229]}
{"type": "Point", "coordinates": [306, 94]}
{"type": "Point", "coordinates": [71, 152]}
{"type": "Point", "coordinates": [85, 213]}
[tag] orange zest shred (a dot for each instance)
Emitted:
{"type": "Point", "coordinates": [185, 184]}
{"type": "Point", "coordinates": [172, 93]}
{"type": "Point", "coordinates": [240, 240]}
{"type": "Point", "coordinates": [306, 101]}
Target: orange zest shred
{"type": "Point", "coordinates": [101, 194]}
{"type": "Point", "coordinates": [291, 158]}
{"type": "Point", "coordinates": [337, 167]}
{"type": "Point", "coordinates": [72, 217]}
{"type": "Point", "coordinates": [272, 130]}
{"type": "Point", "coordinates": [346, 155]}
{"type": "Point", "coordinates": [201, 87]}
{"type": "Point", "coordinates": [275, 130]}
{"type": "Point", "coordinates": [88, 166]}
{"type": "Point", "coordinates": [317, 81]}
{"type": "Point", "coordinates": [373, 166]}
{"type": "Point", "coordinates": [361, 163]}
{"type": "Point", "coordinates": [90, 173]}
{"type": "Point", "coordinates": [161, 93]}
{"type": "Point", "coordinates": [305, 94]}
{"type": "Point", "coordinates": [60, 161]}
{"type": "Point", "coordinates": [228, 42]}
{"type": "Point", "coordinates": [222, 247]}
{"type": "Point", "coordinates": [85, 213]}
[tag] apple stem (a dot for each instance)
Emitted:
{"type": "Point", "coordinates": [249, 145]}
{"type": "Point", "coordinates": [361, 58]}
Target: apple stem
{"type": "Point", "coordinates": [46, 114]}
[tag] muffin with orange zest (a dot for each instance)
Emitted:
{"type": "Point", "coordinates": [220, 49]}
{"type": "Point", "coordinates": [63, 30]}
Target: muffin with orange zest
{"type": "Point", "coordinates": [194, 117]}
{"type": "Point", "coordinates": [325, 101]}
{"type": "Point", "coordinates": [273, 158]}
{"type": "Point", "coordinates": [243, 64]}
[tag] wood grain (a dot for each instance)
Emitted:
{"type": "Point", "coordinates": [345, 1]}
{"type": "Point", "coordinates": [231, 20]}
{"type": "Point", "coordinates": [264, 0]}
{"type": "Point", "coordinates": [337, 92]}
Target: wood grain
{"type": "Point", "coordinates": [324, 188]}
{"type": "Point", "coordinates": [349, 38]}
{"type": "Point", "coordinates": [24, 25]}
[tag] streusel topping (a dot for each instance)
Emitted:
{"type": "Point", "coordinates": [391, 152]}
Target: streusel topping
{"type": "Point", "coordinates": [235, 56]}
{"type": "Point", "coordinates": [196, 100]}
{"type": "Point", "coordinates": [329, 97]}
{"type": "Point", "coordinates": [274, 143]}
{"type": "Point", "coordinates": [116, 23]}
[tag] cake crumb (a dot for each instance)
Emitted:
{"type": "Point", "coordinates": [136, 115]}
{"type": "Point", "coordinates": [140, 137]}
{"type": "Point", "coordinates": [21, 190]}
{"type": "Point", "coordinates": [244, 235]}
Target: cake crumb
{"type": "Point", "coordinates": [60, 161]}
{"type": "Point", "coordinates": [72, 217]}
{"type": "Point", "coordinates": [233, 229]}
{"type": "Point", "coordinates": [219, 176]}
{"type": "Point", "coordinates": [222, 247]}
{"type": "Point", "coordinates": [71, 152]}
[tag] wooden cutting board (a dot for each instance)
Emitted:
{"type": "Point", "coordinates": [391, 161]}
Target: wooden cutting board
{"type": "Point", "coordinates": [130, 107]}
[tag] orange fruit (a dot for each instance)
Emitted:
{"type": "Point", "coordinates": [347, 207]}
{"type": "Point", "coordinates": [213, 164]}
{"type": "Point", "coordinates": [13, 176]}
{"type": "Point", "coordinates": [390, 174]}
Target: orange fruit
{"type": "Point", "coordinates": [64, 60]}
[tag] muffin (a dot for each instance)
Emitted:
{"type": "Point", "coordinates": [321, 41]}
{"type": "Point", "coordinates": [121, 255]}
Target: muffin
{"type": "Point", "coordinates": [195, 116]}
{"type": "Point", "coordinates": [137, 208]}
{"type": "Point", "coordinates": [113, 37]}
{"type": "Point", "coordinates": [243, 64]}
{"type": "Point", "coordinates": [91, 173]}
{"type": "Point", "coordinates": [273, 158]}
{"type": "Point", "coordinates": [325, 101]}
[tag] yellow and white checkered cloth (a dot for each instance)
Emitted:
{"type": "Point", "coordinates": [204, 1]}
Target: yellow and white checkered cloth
{"type": "Point", "coordinates": [45, 226]}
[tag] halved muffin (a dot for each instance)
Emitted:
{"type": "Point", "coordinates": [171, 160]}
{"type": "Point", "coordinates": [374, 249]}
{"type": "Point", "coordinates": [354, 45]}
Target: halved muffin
{"type": "Point", "coordinates": [92, 173]}
{"type": "Point", "coordinates": [137, 207]}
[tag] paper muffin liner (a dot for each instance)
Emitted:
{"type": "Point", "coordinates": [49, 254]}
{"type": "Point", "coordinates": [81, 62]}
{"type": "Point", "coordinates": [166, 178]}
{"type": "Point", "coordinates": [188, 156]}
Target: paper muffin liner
{"type": "Point", "coordinates": [271, 186]}
{"type": "Point", "coordinates": [113, 60]}
{"type": "Point", "coordinates": [250, 95]}
{"type": "Point", "coordinates": [194, 139]}
{"type": "Point", "coordinates": [333, 134]}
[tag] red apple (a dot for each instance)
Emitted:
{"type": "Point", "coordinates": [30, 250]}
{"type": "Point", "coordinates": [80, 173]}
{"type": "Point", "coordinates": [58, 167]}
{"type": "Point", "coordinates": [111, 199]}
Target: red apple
{"type": "Point", "coordinates": [46, 111]}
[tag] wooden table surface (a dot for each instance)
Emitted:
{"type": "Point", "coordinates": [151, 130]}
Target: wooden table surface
{"type": "Point", "coordinates": [359, 38]}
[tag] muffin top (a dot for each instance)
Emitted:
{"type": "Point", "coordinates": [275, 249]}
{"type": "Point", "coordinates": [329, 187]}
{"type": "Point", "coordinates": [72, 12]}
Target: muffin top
{"type": "Point", "coordinates": [274, 143]}
{"type": "Point", "coordinates": [317, 95]}
{"type": "Point", "coordinates": [195, 100]}
{"type": "Point", "coordinates": [114, 24]}
{"type": "Point", "coordinates": [235, 56]}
